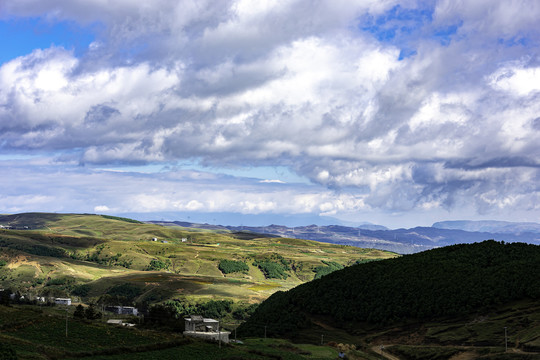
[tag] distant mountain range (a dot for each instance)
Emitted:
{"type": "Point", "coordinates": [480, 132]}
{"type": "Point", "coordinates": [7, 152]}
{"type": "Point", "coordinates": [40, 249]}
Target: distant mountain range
{"type": "Point", "coordinates": [238, 219]}
{"type": "Point", "coordinates": [503, 227]}
{"type": "Point", "coordinates": [402, 241]}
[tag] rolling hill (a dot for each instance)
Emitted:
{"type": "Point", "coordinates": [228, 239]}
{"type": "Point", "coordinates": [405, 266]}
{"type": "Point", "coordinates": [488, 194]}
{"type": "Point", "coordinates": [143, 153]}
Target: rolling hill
{"type": "Point", "coordinates": [402, 241]}
{"type": "Point", "coordinates": [461, 286]}
{"type": "Point", "coordinates": [90, 256]}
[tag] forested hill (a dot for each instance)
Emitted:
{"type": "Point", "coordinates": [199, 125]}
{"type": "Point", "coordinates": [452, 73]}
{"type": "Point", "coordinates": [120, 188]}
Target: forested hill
{"type": "Point", "coordinates": [450, 281]}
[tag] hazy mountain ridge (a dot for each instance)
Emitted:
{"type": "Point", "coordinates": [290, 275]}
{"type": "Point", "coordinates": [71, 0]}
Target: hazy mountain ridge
{"type": "Point", "coordinates": [489, 226]}
{"type": "Point", "coordinates": [403, 241]}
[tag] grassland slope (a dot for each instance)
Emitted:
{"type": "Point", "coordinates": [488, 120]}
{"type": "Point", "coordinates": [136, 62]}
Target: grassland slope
{"type": "Point", "coordinates": [89, 256]}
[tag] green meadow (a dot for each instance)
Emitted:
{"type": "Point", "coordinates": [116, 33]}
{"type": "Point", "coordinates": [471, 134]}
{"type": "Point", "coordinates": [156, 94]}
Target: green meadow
{"type": "Point", "coordinates": [55, 254]}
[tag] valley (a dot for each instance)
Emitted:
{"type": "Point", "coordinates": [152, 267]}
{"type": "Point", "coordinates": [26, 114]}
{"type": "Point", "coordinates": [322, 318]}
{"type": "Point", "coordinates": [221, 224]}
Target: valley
{"type": "Point", "coordinates": [287, 298]}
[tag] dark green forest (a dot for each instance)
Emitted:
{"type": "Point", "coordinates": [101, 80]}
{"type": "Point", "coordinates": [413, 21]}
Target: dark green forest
{"type": "Point", "coordinates": [444, 282]}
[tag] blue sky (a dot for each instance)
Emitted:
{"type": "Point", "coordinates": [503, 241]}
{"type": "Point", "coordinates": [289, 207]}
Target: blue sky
{"type": "Point", "coordinates": [400, 113]}
{"type": "Point", "coordinates": [23, 35]}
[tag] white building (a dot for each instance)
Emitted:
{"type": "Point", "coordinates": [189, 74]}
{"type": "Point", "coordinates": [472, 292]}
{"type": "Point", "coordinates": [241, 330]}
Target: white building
{"type": "Point", "coordinates": [204, 328]}
{"type": "Point", "coordinates": [123, 310]}
{"type": "Point", "coordinates": [62, 301]}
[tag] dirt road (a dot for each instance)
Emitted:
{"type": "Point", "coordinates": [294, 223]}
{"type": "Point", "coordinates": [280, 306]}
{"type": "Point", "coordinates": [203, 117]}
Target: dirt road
{"type": "Point", "coordinates": [380, 350]}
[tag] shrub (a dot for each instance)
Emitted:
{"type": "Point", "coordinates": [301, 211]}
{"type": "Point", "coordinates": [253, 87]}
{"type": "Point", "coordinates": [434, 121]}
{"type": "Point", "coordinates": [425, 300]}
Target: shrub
{"type": "Point", "coordinates": [156, 264]}
{"type": "Point", "coordinates": [79, 312]}
{"type": "Point", "coordinates": [330, 267]}
{"type": "Point", "coordinates": [125, 290]}
{"type": "Point", "coordinates": [57, 282]}
{"type": "Point", "coordinates": [81, 290]}
{"type": "Point", "coordinates": [7, 353]}
{"type": "Point", "coordinates": [122, 219]}
{"type": "Point", "coordinates": [243, 312]}
{"type": "Point", "coordinates": [272, 270]}
{"type": "Point", "coordinates": [91, 314]}
{"type": "Point", "coordinates": [232, 266]}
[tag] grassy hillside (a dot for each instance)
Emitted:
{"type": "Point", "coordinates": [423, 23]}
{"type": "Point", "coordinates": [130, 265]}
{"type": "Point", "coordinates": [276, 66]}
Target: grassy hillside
{"type": "Point", "coordinates": [446, 283]}
{"type": "Point", "coordinates": [88, 256]}
{"type": "Point", "coordinates": [29, 332]}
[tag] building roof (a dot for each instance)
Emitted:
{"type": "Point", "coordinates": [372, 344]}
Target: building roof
{"type": "Point", "coordinates": [199, 318]}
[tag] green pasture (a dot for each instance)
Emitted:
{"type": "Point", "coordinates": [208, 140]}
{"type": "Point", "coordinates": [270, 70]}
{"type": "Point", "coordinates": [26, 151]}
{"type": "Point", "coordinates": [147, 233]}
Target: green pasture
{"type": "Point", "coordinates": [102, 251]}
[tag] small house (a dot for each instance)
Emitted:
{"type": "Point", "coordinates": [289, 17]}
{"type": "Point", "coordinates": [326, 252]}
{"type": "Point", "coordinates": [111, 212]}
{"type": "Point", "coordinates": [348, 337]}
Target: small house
{"type": "Point", "coordinates": [198, 323]}
{"type": "Point", "coordinates": [184, 240]}
{"type": "Point", "coordinates": [62, 301]}
{"type": "Point", "coordinates": [123, 310]}
{"type": "Point", "coordinates": [204, 328]}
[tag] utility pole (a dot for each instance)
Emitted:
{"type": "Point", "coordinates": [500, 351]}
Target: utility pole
{"type": "Point", "coordinates": [219, 333]}
{"type": "Point", "coordinates": [66, 322]}
{"type": "Point", "coordinates": [265, 331]}
{"type": "Point", "coordinates": [505, 341]}
{"type": "Point", "coordinates": [322, 339]}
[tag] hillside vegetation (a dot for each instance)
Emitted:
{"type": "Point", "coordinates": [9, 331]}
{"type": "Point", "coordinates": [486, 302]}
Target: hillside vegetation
{"type": "Point", "coordinates": [91, 256]}
{"type": "Point", "coordinates": [28, 332]}
{"type": "Point", "coordinates": [442, 283]}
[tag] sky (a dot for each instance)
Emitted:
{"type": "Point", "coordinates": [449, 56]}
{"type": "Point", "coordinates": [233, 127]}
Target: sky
{"type": "Point", "coordinates": [394, 112]}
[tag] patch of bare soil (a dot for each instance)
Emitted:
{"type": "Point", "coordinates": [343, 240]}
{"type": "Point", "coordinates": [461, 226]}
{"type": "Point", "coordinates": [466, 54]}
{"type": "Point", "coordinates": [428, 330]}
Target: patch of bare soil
{"type": "Point", "coordinates": [23, 260]}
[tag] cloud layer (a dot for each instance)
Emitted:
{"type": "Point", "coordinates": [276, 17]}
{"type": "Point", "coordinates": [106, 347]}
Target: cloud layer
{"type": "Point", "coordinates": [389, 106]}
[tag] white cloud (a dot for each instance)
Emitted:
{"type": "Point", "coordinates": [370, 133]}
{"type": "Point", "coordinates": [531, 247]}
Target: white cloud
{"type": "Point", "coordinates": [294, 84]}
{"type": "Point", "coordinates": [101, 209]}
{"type": "Point", "coordinates": [516, 80]}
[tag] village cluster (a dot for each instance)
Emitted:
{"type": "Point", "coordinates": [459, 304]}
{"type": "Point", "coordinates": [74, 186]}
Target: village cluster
{"type": "Point", "coordinates": [195, 325]}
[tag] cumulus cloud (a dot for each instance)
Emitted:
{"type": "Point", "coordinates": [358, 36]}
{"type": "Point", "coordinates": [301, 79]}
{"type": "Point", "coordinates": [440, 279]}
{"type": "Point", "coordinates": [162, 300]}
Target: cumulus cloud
{"type": "Point", "coordinates": [177, 190]}
{"type": "Point", "coordinates": [101, 208]}
{"type": "Point", "coordinates": [392, 105]}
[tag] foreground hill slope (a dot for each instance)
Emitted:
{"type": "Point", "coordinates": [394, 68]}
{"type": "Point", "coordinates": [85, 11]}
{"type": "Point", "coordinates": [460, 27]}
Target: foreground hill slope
{"type": "Point", "coordinates": [33, 333]}
{"type": "Point", "coordinates": [444, 282]}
